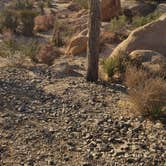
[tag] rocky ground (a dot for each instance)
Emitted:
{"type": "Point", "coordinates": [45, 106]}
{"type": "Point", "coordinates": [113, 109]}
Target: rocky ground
{"type": "Point", "coordinates": [52, 116]}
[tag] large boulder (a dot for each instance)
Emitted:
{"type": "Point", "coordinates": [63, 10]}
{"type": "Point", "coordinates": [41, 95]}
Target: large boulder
{"type": "Point", "coordinates": [77, 45]}
{"type": "Point", "coordinates": [138, 8]}
{"type": "Point", "coordinates": [44, 22]}
{"type": "Point", "coordinates": [152, 36]}
{"type": "Point", "coordinates": [151, 60]}
{"type": "Point", "coordinates": [161, 7]}
{"type": "Point", "coordinates": [110, 9]}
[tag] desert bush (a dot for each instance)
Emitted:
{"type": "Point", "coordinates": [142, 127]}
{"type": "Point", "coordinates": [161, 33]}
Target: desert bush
{"type": "Point", "coordinates": [118, 24]}
{"type": "Point", "coordinates": [8, 20]}
{"type": "Point", "coordinates": [27, 21]}
{"type": "Point", "coordinates": [61, 33]}
{"type": "Point", "coordinates": [8, 48]}
{"type": "Point", "coordinates": [21, 4]}
{"type": "Point", "coordinates": [122, 23]}
{"type": "Point", "coordinates": [30, 50]}
{"type": "Point", "coordinates": [57, 38]}
{"type": "Point", "coordinates": [115, 64]}
{"type": "Point", "coordinates": [17, 59]}
{"type": "Point", "coordinates": [147, 93]}
{"type": "Point", "coordinates": [140, 21]}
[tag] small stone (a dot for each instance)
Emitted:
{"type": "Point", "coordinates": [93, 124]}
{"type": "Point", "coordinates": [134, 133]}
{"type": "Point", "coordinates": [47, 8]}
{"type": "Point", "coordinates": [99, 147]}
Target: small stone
{"type": "Point", "coordinates": [66, 158]}
{"type": "Point", "coordinates": [86, 164]}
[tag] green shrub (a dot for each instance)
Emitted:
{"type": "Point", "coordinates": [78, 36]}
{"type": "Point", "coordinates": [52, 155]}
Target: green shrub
{"type": "Point", "coordinates": [27, 21]}
{"type": "Point", "coordinates": [140, 21]}
{"type": "Point", "coordinates": [122, 23]}
{"type": "Point", "coordinates": [115, 64]}
{"type": "Point", "coordinates": [118, 24]}
{"type": "Point", "coordinates": [9, 48]}
{"type": "Point", "coordinates": [21, 4]}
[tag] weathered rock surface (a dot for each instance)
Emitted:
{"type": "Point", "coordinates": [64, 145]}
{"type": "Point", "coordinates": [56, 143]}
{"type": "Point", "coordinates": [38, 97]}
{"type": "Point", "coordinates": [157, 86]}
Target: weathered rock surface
{"type": "Point", "coordinates": [149, 37]}
{"type": "Point", "coordinates": [151, 60]}
{"type": "Point", "coordinates": [138, 8]}
{"type": "Point", "coordinates": [52, 116]}
{"type": "Point", "coordinates": [77, 45]}
{"type": "Point", "coordinates": [44, 22]}
{"type": "Point", "coordinates": [110, 9]}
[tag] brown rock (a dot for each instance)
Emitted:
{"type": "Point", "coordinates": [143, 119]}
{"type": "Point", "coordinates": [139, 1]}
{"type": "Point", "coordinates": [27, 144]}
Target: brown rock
{"type": "Point", "coordinates": [110, 9]}
{"type": "Point", "coordinates": [47, 54]}
{"type": "Point", "coordinates": [77, 45]}
{"type": "Point", "coordinates": [151, 60]}
{"type": "Point", "coordinates": [44, 23]}
{"type": "Point", "coordinates": [152, 36]}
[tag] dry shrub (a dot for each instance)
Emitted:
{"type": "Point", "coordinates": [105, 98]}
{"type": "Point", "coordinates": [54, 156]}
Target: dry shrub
{"type": "Point", "coordinates": [47, 54]}
{"type": "Point", "coordinates": [16, 60]}
{"type": "Point", "coordinates": [147, 93]}
{"type": "Point", "coordinates": [8, 20]}
{"type": "Point", "coordinates": [134, 77]}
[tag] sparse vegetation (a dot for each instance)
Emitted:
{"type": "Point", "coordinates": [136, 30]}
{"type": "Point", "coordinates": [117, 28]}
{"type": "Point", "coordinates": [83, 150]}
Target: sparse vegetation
{"type": "Point", "coordinates": [121, 23]}
{"type": "Point", "coordinates": [115, 64]}
{"type": "Point", "coordinates": [140, 21]}
{"type": "Point", "coordinates": [8, 20]}
{"type": "Point", "coordinates": [27, 22]}
{"type": "Point", "coordinates": [147, 93]}
{"type": "Point", "coordinates": [118, 23]}
{"type": "Point", "coordinates": [19, 50]}
{"type": "Point", "coordinates": [59, 106]}
{"type": "Point", "coordinates": [21, 4]}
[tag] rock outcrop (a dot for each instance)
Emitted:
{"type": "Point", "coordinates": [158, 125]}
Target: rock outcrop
{"type": "Point", "coordinates": [44, 22]}
{"type": "Point", "coordinates": [151, 60]}
{"type": "Point", "coordinates": [77, 45]}
{"type": "Point", "coordinates": [152, 36]}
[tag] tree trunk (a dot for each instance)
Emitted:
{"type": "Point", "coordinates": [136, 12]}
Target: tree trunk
{"type": "Point", "coordinates": [93, 41]}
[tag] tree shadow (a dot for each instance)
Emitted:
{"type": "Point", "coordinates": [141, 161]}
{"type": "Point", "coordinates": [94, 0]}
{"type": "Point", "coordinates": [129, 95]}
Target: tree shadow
{"type": "Point", "coordinates": [23, 95]}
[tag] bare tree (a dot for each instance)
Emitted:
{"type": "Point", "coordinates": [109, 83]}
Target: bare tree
{"type": "Point", "coordinates": [93, 41]}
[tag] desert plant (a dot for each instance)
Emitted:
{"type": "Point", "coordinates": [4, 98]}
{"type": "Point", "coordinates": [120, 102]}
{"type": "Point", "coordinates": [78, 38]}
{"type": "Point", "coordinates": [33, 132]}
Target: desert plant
{"type": "Point", "coordinates": [27, 21]}
{"type": "Point", "coordinates": [21, 4]}
{"type": "Point", "coordinates": [8, 20]}
{"type": "Point", "coordinates": [115, 64]}
{"type": "Point", "coordinates": [57, 38]}
{"type": "Point", "coordinates": [8, 48]}
{"type": "Point", "coordinates": [147, 93]}
{"type": "Point", "coordinates": [16, 60]}
{"type": "Point", "coordinates": [140, 20]}
{"type": "Point", "coordinates": [30, 50]}
{"type": "Point", "coordinates": [61, 33]}
{"type": "Point", "coordinates": [118, 24]}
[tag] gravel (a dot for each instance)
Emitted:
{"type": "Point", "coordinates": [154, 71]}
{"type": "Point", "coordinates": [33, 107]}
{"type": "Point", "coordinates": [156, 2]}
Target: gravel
{"type": "Point", "coordinates": [63, 120]}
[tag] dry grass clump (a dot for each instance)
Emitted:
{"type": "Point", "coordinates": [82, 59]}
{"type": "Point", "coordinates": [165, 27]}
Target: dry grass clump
{"type": "Point", "coordinates": [147, 93]}
{"type": "Point", "coordinates": [16, 52]}
{"type": "Point", "coordinates": [115, 64]}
